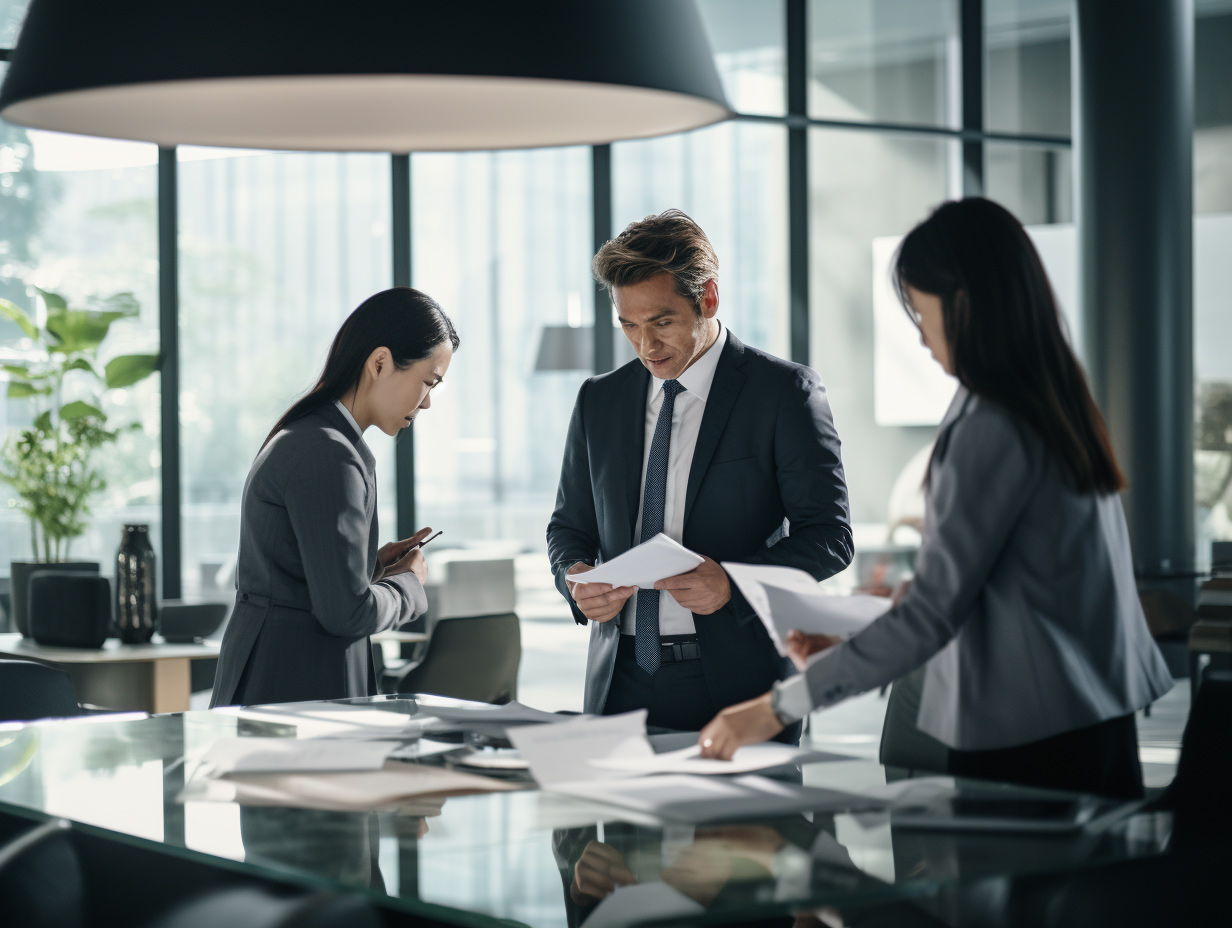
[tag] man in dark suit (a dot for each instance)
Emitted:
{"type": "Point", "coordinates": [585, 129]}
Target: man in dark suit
{"type": "Point", "coordinates": [727, 449]}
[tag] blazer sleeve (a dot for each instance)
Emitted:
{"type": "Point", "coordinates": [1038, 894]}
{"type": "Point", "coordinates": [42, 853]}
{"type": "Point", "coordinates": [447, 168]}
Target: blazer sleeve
{"type": "Point", "coordinates": [325, 500]}
{"type": "Point", "coordinates": [811, 486]}
{"type": "Point", "coordinates": [977, 493]}
{"type": "Point", "coordinates": [573, 530]}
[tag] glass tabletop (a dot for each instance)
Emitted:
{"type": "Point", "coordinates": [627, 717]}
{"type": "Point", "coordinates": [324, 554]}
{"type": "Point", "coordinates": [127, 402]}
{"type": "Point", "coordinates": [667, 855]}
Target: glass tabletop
{"type": "Point", "coordinates": [525, 855]}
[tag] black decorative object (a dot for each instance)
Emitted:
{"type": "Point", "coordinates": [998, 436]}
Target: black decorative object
{"type": "Point", "coordinates": [416, 75]}
{"type": "Point", "coordinates": [69, 609]}
{"type": "Point", "coordinates": [20, 585]}
{"type": "Point", "coordinates": [186, 622]}
{"type": "Point", "coordinates": [136, 599]}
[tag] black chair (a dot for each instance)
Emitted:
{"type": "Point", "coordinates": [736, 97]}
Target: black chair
{"type": "Point", "coordinates": [40, 878]}
{"type": "Point", "coordinates": [476, 657]}
{"type": "Point", "coordinates": [254, 907]}
{"type": "Point", "coordinates": [29, 691]}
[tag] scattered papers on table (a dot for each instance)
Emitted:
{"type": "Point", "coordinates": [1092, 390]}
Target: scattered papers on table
{"type": "Point", "coordinates": [688, 760]}
{"type": "Point", "coordinates": [564, 752]}
{"type": "Point", "coordinates": [644, 565]}
{"type": "Point", "coordinates": [395, 784]}
{"type": "Point", "coordinates": [785, 599]}
{"type": "Point", "coordinates": [337, 720]}
{"type": "Point", "coordinates": [643, 902]}
{"type": "Point", "coordinates": [284, 755]}
{"type": "Point", "coordinates": [513, 713]}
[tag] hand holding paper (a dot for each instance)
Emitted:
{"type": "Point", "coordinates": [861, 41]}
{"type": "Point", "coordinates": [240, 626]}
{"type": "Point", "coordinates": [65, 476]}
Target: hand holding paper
{"type": "Point", "coordinates": [642, 566]}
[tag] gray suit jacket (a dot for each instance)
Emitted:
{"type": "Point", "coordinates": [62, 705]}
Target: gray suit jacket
{"type": "Point", "coordinates": [306, 603]}
{"type": "Point", "coordinates": [1024, 602]}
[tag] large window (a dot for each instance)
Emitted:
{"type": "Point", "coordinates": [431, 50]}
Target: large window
{"type": "Point", "coordinates": [1027, 66]}
{"type": "Point", "coordinates": [502, 242]}
{"type": "Point", "coordinates": [275, 251]}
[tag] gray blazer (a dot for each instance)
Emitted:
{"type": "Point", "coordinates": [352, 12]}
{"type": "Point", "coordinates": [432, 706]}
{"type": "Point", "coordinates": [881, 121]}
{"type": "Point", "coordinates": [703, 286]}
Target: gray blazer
{"type": "Point", "coordinates": [1023, 603]}
{"type": "Point", "coordinates": [306, 603]}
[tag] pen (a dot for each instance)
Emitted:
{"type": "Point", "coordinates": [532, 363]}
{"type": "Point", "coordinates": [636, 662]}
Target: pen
{"type": "Point", "coordinates": [428, 539]}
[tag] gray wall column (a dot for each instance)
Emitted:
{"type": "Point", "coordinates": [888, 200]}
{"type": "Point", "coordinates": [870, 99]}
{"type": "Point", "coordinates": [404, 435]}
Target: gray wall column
{"type": "Point", "coordinates": [1134, 141]}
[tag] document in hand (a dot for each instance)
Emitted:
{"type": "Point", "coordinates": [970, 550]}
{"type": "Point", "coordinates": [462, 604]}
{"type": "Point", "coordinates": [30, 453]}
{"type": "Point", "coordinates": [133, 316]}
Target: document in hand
{"type": "Point", "coordinates": [644, 565]}
{"type": "Point", "coordinates": [785, 599]}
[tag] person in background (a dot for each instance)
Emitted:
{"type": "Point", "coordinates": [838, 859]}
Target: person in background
{"type": "Point", "coordinates": [312, 584]}
{"type": "Point", "coordinates": [726, 449]}
{"type": "Point", "coordinates": [1024, 603]}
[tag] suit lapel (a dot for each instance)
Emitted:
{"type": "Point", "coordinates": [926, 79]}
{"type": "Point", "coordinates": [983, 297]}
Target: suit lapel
{"type": "Point", "coordinates": [726, 387]}
{"type": "Point", "coordinates": [629, 432]}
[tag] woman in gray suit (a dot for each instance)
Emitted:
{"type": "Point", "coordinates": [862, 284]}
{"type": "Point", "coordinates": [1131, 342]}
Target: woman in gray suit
{"type": "Point", "coordinates": [1024, 604]}
{"type": "Point", "coordinates": [312, 585]}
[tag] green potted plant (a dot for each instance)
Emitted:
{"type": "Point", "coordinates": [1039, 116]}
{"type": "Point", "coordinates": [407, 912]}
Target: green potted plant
{"type": "Point", "coordinates": [52, 464]}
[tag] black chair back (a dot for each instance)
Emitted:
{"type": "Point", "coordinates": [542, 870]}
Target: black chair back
{"type": "Point", "coordinates": [40, 878]}
{"type": "Point", "coordinates": [255, 907]}
{"type": "Point", "coordinates": [29, 690]}
{"type": "Point", "coordinates": [475, 657]}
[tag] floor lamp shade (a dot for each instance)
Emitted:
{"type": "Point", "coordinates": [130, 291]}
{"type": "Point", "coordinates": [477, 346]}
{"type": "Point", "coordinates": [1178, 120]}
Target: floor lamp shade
{"type": "Point", "coordinates": [367, 75]}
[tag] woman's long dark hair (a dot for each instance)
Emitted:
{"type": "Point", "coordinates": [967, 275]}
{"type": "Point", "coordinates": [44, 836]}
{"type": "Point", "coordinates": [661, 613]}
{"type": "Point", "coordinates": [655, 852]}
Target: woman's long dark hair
{"type": "Point", "coordinates": [1005, 334]}
{"type": "Point", "coordinates": [407, 322]}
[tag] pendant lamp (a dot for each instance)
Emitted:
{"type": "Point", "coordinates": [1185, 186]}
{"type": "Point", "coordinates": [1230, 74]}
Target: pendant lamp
{"type": "Point", "coordinates": [364, 75]}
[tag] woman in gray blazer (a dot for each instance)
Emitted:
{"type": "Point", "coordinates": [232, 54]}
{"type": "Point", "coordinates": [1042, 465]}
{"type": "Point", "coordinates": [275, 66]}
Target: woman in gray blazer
{"type": "Point", "coordinates": [1024, 604]}
{"type": "Point", "coordinates": [312, 585]}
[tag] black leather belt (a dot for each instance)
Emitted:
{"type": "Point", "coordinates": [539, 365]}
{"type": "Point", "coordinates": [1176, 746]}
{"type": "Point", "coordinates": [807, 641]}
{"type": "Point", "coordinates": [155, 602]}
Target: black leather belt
{"type": "Point", "coordinates": [672, 651]}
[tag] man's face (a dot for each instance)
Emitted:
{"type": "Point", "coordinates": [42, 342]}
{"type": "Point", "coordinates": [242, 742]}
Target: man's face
{"type": "Point", "coordinates": [665, 329]}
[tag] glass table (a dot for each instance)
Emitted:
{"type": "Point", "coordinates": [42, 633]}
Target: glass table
{"type": "Point", "coordinates": [512, 856]}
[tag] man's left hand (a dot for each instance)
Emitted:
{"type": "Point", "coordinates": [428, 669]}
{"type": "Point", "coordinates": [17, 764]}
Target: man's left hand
{"type": "Point", "coordinates": [703, 590]}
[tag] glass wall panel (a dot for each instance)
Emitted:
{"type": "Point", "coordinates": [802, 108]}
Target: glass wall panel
{"type": "Point", "coordinates": [1035, 184]}
{"type": "Point", "coordinates": [1212, 245]}
{"type": "Point", "coordinates": [748, 38]}
{"type": "Point", "coordinates": [732, 179]}
{"type": "Point", "coordinates": [1027, 66]}
{"type": "Point", "coordinates": [884, 61]}
{"type": "Point", "coordinates": [887, 394]}
{"type": "Point", "coordinates": [276, 250]}
{"type": "Point", "coordinates": [12, 12]}
{"type": "Point", "coordinates": [502, 242]}
{"type": "Point", "coordinates": [78, 217]}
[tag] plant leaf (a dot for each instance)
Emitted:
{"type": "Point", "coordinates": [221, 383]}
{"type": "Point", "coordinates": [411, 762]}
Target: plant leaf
{"type": "Point", "coordinates": [127, 369]}
{"type": "Point", "coordinates": [53, 300]}
{"type": "Point", "coordinates": [79, 409]}
{"type": "Point", "coordinates": [43, 422]}
{"type": "Point", "coordinates": [15, 313]}
{"type": "Point", "coordinates": [22, 388]}
{"type": "Point", "coordinates": [80, 364]}
{"type": "Point", "coordinates": [123, 303]}
{"type": "Point", "coordinates": [79, 329]}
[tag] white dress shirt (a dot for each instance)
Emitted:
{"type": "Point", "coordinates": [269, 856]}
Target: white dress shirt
{"type": "Point", "coordinates": [350, 418]}
{"type": "Point", "coordinates": [675, 619]}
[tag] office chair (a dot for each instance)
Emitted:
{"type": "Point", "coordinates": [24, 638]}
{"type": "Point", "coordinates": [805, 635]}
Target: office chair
{"type": "Point", "coordinates": [29, 691]}
{"type": "Point", "coordinates": [254, 907]}
{"type": "Point", "coordinates": [40, 878]}
{"type": "Point", "coordinates": [475, 657]}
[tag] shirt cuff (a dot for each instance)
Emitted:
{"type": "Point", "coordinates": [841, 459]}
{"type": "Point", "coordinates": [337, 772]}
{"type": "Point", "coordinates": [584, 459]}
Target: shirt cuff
{"type": "Point", "coordinates": [792, 701]}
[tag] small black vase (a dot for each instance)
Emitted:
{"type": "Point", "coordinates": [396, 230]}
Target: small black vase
{"type": "Point", "coordinates": [136, 599]}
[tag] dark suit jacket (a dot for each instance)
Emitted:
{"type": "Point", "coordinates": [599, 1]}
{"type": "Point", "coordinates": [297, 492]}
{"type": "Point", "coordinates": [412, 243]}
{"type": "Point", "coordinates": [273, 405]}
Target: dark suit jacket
{"type": "Point", "coordinates": [308, 551]}
{"type": "Point", "coordinates": [766, 452]}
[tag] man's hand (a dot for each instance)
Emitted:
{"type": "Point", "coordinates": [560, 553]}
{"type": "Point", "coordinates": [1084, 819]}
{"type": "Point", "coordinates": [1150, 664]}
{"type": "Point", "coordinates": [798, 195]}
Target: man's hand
{"type": "Point", "coordinates": [744, 723]}
{"type": "Point", "coordinates": [704, 589]}
{"type": "Point", "coordinates": [399, 557]}
{"type": "Point", "coordinates": [598, 872]}
{"type": "Point", "coordinates": [800, 646]}
{"type": "Point", "coordinates": [599, 602]}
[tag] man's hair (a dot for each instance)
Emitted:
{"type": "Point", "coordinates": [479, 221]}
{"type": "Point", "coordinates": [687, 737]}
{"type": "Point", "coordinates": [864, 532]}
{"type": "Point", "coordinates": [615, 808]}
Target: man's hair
{"type": "Point", "coordinates": [669, 243]}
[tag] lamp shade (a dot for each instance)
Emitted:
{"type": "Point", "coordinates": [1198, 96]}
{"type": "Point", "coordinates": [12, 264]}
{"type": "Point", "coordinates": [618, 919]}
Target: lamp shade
{"type": "Point", "coordinates": [366, 75]}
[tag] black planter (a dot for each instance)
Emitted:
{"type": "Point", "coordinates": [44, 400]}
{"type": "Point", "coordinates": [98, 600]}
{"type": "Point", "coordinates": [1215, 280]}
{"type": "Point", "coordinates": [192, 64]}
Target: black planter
{"type": "Point", "coordinates": [20, 585]}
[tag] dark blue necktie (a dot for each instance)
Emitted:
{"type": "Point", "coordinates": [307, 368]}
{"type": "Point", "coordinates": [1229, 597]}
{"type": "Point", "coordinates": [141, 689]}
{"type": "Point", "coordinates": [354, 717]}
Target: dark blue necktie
{"type": "Point", "coordinates": [654, 501]}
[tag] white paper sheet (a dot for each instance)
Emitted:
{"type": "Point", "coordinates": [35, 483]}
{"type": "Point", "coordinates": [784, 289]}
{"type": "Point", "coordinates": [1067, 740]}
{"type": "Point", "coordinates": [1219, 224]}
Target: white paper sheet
{"type": "Point", "coordinates": [337, 720]}
{"type": "Point", "coordinates": [696, 800]}
{"type": "Point", "coordinates": [687, 760]}
{"type": "Point", "coordinates": [643, 902]}
{"type": "Point", "coordinates": [644, 565]}
{"type": "Point", "coordinates": [563, 753]}
{"type": "Point", "coordinates": [513, 713]}
{"type": "Point", "coordinates": [785, 599]}
{"type": "Point", "coordinates": [286, 755]}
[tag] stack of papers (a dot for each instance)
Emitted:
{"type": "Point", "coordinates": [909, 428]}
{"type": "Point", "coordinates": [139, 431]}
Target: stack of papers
{"type": "Point", "coordinates": [644, 565]}
{"type": "Point", "coordinates": [281, 755]}
{"type": "Point", "coordinates": [786, 599]}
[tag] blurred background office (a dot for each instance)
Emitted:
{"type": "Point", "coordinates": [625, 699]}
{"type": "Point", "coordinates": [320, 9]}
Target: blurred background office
{"type": "Point", "coordinates": [855, 117]}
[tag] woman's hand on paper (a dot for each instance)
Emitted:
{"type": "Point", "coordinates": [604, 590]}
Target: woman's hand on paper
{"type": "Point", "coordinates": [744, 723]}
{"type": "Point", "coordinates": [704, 589]}
{"type": "Point", "coordinates": [399, 557]}
{"type": "Point", "coordinates": [598, 872]}
{"type": "Point", "coordinates": [599, 602]}
{"type": "Point", "coordinates": [800, 646]}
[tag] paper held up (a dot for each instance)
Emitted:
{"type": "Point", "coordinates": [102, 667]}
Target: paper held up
{"type": "Point", "coordinates": [786, 599]}
{"type": "Point", "coordinates": [644, 565]}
